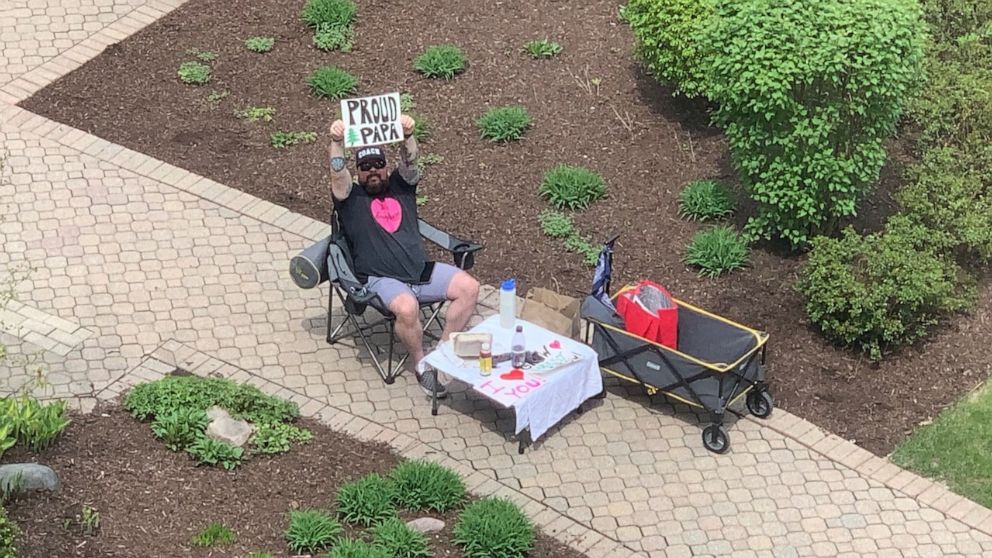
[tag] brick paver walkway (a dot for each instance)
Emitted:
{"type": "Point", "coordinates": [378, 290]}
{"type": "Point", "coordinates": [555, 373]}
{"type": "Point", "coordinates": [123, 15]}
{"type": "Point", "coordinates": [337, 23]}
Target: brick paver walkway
{"type": "Point", "coordinates": [135, 263]}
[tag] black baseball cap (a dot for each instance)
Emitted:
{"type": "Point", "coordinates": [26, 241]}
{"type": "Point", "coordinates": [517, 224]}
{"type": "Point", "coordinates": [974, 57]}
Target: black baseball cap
{"type": "Point", "coordinates": [370, 154]}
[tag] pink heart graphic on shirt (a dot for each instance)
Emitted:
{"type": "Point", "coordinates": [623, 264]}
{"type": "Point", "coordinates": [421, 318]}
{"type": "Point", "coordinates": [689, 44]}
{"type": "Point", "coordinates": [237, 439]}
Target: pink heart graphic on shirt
{"type": "Point", "coordinates": [388, 213]}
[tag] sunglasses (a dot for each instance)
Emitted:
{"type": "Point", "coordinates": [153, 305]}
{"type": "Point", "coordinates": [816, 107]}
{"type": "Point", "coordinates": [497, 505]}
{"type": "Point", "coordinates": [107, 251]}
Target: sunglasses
{"type": "Point", "coordinates": [366, 167]}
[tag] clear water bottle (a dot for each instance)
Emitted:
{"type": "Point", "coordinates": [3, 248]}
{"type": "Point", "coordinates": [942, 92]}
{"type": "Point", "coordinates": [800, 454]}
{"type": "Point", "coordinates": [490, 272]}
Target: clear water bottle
{"type": "Point", "coordinates": [508, 303]}
{"type": "Point", "coordinates": [518, 348]}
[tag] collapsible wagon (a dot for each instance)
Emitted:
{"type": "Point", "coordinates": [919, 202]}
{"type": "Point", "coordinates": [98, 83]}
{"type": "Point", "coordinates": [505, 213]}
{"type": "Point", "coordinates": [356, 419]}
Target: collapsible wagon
{"type": "Point", "coordinates": [715, 362]}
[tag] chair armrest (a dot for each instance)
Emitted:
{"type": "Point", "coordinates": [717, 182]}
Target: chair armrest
{"type": "Point", "coordinates": [340, 272]}
{"type": "Point", "coordinates": [463, 251]}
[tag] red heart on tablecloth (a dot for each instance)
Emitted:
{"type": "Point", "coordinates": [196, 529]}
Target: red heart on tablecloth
{"type": "Point", "coordinates": [515, 374]}
{"type": "Point", "coordinates": [554, 344]}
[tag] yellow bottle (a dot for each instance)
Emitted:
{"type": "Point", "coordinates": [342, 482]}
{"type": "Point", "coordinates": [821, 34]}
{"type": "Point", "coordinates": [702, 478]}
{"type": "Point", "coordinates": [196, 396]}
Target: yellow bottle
{"type": "Point", "coordinates": [485, 360]}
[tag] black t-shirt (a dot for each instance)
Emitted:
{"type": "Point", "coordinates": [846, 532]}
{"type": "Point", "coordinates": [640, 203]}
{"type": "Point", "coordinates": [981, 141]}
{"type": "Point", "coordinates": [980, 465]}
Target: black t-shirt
{"type": "Point", "coordinates": [382, 231]}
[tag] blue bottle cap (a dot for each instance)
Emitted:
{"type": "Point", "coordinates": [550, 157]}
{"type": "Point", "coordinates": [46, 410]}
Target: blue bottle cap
{"type": "Point", "coordinates": [509, 284]}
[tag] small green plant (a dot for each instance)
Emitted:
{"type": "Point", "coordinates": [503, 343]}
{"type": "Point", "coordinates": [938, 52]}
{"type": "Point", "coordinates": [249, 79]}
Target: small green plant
{"type": "Point", "coordinates": [262, 554]}
{"type": "Point", "coordinates": [214, 534]}
{"type": "Point", "coordinates": [494, 528]}
{"type": "Point", "coordinates": [407, 103]}
{"type": "Point", "coordinates": [194, 73]}
{"type": "Point", "coordinates": [260, 44]}
{"type": "Point", "coordinates": [398, 540]}
{"type": "Point", "coordinates": [215, 97]}
{"type": "Point", "coordinates": [350, 548]}
{"type": "Point", "coordinates": [542, 49]}
{"type": "Point", "coordinates": [31, 423]}
{"type": "Point", "coordinates": [429, 159]}
{"type": "Point", "coordinates": [243, 401]}
{"type": "Point", "coordinates": [367, 501]}
{"type": "Point", "coordinates": [334, 37]}
{"type": "Point", "coordinates": [704, 200]}
{"type": "Point", "coordinates": [280, 140]}
{"type": "Point", "coordinates": [571, 187]}
{"type": "Point", "coordinates": [581, 246]}
{"type": "Point", "coordinates": [422, 485]}
{"type": "Point", "coordinates": [717, 251]}
{"type": "Point", "coordinates": [8, 535]}
{"type": "Point", "coordinates": [254, 114]}
{"type": "Point", "coordinates": [276, 437]}
{"type": "Point", "coordinates": [504, 123]}
{"type": "Point", "coordinates": [180, 427]}
{"type": "Point", "coordinates": [333, 83]}
{"type": "Point", "coordinates": [213, 452]}
{"type": "Point", "coordinates": [440, 61]}
{"type": "Point", "coordinates": [329, 13]}
{"type": "Point", "coordinates": [89, 519]}
{"type": "Point", "coordinates": [556, 224]}
{"type": "Point", "coordinates": [202, 55]}
{"type": "Point", "coordinates": [311, 531]}
{"type": "Point", "coordinates": [7, 436]}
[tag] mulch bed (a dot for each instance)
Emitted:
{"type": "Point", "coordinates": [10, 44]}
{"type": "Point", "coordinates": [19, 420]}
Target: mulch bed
{"type": "Point", "coordinates": [592, 106]}
{"type": "Point", "coordinates": [152, 501]}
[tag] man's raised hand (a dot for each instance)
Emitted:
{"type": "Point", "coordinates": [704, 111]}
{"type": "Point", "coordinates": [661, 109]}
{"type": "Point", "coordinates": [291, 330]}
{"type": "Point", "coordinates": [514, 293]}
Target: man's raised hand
{"type": "Point", "coordinates": [337, 130]}
{"type": "Point", "coordinates": [408, 124]}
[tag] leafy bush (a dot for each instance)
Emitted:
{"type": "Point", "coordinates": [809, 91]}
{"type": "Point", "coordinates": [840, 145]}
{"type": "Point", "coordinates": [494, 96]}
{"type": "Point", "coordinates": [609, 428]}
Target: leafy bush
{"type": "Point", "coordinates": [494, 528]}
{"type": "Point", "coordinates": [807, 93]}
{"type": "Point", "coordinates": [275, 437]}
{"type": "Point", "coordinates": [556, 224]}
{"type": "Point", "coordinates": [705, 200]}
{"type": "Point", "coordinates": [281, 139]}
{"type": "Point", "coordinates": [542, 49]}
{"type": "Point", "coordinates": [332, 83]}
{"type": "Point", "coordinates": [31, 423]}
{"type": "Point", "coordinates": [882, 290]}
{"type": "Point", "coordinates": [213, 452]}
{"type": "Point", "coordinates": [311, 531]}
{"type": "Point", "coordinates": [422, 485]}
{"type": "Point", "coordinates": [260, 45]}
{"type": "Point", "coordinates": [333, 37]}
{"type": "Point", "coordinates": [367, 501]}
{"type": "Point", "coordinates": [717, 251]}
{"type": "Point", "coordinates": [180, 427]}
{"type": "Point", "coordinates": [7, 437]}
{"type": "Point", "coordinates": [242, 400]}
{"type": "Point", "coordinates": [350, 548]}
{"type": "Point", "coordinates": [398, 540]}
{"type": "Point", "coordinates": [570, 187]}
{"type": "Point", "coordinates": [440, 61]}
{"type": "Point", "coordinates": [329, 13]}
{"type": "Point", "coordinates": [504, 123]}
{"type": "Point", "coordinates": [581, 246]}
{"type": "Point", "coordinates": [8, 535]}
{"type": "Point", "coordinates": [194, 73]}
{"type": "Point", "coordinates": [254, 114]}
{"type": "Point", "coordinates": [669, 42]}
{"type": "Point", "coordinates": [216, 533]}
{"type": "Point", "coordinates": [951, 19]}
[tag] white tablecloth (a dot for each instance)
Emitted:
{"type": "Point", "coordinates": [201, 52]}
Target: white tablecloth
{"type": "Point", "coordinates": [539, 400]}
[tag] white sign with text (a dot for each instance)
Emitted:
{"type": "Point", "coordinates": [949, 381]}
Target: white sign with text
{"type": "Point", "coordinates": [372, 120]}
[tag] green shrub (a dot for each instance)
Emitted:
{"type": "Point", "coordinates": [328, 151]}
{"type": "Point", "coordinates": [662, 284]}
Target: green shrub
{"type": "Point", "coordinates": [669, 42]}
{"type": "Point", "coordinates": [807, 93]}
{"type": "Point", "coordinates": [422, 485]}
{"type": "Point", "coordinates": [882, 290]}
{"type": "Point", "coordinates": [215, 534]}
{"type": "Point", "coordinates": [180, 427]}
{"type": "Point", "coordinates": [952, 19]}
{"type": "Point", "coordinates": [494, 528]}
{"type": "Point", "coordinates": [367, 501]}
{"type": "Point", "coordinates": [254, 114]}
{"type": "Point", "coordinates": [32, 423]}
{"type": "Point", "coordinates": [208, 451]}
{"type": "Point", "coordinates": [194, 73]}
{"type": "Point", "coordinates": [556, 224]}
{"type": "Point", "coordinates": [329, 13]}
{"type": "Point", "coordinates": [202, 55]}
{"type": "Point", "coordinates": [705, 200]}
{"type": "Point", "coordinates": [717, 251]}
{"type": "Point", "coordinates": [7, 436]}
{"type": "Point", "coordinates": [542, 49]}
{"type": "Point", "coordinates": [275, 437]}
{"type": "Point", "coordinates": [8, 535]}
{"type": "Point", "coordinates": [334, 37]}
{"type": "Point", "coordinates": [281, 140]}
{"type": "Point", "coordinates": [260, 44]}
{"type": "Point", "coordinates": [398, 540]}
{"type": "Point", "coordinates": [572, 187]}
{"type": "Point", "coordinates": [440, 61]}
{"type": "Point", "coordinates": [243, 401]}
{"type": "Point", "coordinates": [581, 246]}
{"type": "Point", "coordinates": [350, 548]}
{"type": "Point", "coordinates": [504, 123]}
{"type": "Point", "coordinates": [332, 83]}
{"type": "Point", "coordinates": [956, 105]}
{"type": "Point", "coordinates": [311, 531]}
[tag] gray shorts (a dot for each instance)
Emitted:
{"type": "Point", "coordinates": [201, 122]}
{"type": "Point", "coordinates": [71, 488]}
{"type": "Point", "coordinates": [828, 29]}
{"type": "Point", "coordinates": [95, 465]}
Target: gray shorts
{"type": "Point", "coordinates": [434, 291]}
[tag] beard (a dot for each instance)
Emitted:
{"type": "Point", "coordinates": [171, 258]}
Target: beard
{"type": "Point", "coordinates": [374, 185]}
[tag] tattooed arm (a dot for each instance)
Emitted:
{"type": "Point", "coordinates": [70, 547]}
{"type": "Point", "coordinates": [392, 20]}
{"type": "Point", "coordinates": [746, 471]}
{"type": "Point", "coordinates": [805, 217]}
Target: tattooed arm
{"type": "Point", "coordinates": [409, 152]}
{"type": "Point", "coordinates": [340, 178]}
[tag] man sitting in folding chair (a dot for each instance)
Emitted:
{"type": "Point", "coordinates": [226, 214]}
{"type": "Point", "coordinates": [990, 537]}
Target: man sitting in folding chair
{"type": "Point", "coordinates": [378, 215]}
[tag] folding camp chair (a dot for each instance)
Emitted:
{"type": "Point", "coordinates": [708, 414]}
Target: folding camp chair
{"type": "Point", "coordinates": [330, 260]}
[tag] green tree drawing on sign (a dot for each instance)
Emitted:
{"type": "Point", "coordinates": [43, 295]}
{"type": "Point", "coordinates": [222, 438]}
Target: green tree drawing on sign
{"type": "Point", "coordinates": [353, 137]}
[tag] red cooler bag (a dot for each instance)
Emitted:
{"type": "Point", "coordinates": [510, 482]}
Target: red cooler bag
{"type": "Point", "coordinates": [649, 311]}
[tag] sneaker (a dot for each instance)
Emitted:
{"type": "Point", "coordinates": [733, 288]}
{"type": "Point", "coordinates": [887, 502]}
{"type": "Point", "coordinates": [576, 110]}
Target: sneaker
{"type": "Point", "coordinates": [428, 380]}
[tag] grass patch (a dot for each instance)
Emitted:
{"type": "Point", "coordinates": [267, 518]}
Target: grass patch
{"type": "Point", "coordinates": [215, 534]}
{"type": "Point", "coordinates": [717, 251]}
{"type": "Point", "coordinates": [542, 49]}
{"type": "Point", "coordinates": [504, 123]}
{"type": "Point", "coordinates": [260, 45]}
{"type": "Point", "coordinates": [422, 485]}
{"type": "Point", "coordinates": [311, 531]}
{"type": "Point", "coordinates": [440, 61]}
{"type": "Point", "coordinates": [281, 140]}
{"type": "Point", "coordinates": [494, 528]}
{"type": "Point", "coordinates": [352, 548]}
{"type": "Point", "coordinates": [704, 200]}
{"type": "Point", "coordinates": [396, 539]}
{"type": "Point", "coordinates": [194, 73]}
{"type": "Point", "coordinates": [332, 83]}
{"type": "Point", "coordinates": [956, 448]}
{"type": "Point", "coordinates": [367, 501]}
{"type": "Point", "coordinates": [329, 13]}
{"type": "Point", "coordinates": [569, 187]}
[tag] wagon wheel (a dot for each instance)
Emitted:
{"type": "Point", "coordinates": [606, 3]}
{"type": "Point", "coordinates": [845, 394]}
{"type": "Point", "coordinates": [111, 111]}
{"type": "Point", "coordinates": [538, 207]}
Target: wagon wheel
{"type": "Point", "coordinates": [760, 403]}
{"type": "Point", "coordinates": [715, 439]}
